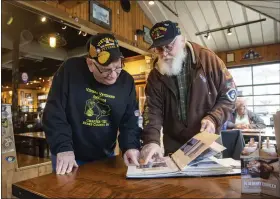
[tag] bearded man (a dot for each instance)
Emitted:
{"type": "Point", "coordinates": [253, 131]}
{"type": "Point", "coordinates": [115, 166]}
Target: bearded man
{"type": "Point", "coordinates": [188, 91]}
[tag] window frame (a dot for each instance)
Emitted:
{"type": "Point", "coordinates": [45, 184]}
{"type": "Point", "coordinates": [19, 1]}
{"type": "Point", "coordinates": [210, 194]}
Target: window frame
{"type": "Point", "coordinates": [252, 85]}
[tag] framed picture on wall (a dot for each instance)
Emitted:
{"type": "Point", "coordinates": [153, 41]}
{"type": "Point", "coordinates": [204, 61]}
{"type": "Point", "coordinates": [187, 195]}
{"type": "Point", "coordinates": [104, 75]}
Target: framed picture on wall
{"type": "Point", "coordinates": [27, 95]}
{"type": "Point", "coordinates": [230, 57]}
{"type": "Point", "coordinates": [147, 38]}
{"type": "Point", "coordinates": [100, 15]}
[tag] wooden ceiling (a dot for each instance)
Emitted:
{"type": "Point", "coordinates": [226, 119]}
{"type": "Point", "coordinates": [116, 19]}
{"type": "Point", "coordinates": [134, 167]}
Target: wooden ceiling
{"type": "Point", "coordinates": [198, 16]}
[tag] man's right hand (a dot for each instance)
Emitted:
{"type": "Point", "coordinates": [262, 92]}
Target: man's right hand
{"type": "Point", "coordinates": [65, 161]}
{"type": "Point", "coordinates": [149, 151]}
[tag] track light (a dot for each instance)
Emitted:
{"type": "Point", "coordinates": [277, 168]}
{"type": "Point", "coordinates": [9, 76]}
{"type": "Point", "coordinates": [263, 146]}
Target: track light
{"type": "Point", "coordinates": [151, 3]}
{"type": "Point", "coordinates": [80, 32]}
{"type": "Point", "coordinates": [207, 36]}
{"type": "Point", "coordinates": [229, 32]}
{"type": "Point", "coordinates": [64, 27]}
{"type": "Point", "coordinates": [84, 34]}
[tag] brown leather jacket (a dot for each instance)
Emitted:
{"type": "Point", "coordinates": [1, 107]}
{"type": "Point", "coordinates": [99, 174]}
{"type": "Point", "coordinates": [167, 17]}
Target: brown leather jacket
{"type": "Point", "coordinates": [212, 95]}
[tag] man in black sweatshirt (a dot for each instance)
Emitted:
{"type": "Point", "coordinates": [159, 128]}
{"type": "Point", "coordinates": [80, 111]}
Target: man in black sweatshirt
{"type": "Point", "coordinates": [89, 101]}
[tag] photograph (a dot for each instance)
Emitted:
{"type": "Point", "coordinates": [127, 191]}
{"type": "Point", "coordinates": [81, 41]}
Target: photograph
{"type": "Point", "coordinates": [152, 165]}
{"type": "Point", "coordinates": [191, 147]}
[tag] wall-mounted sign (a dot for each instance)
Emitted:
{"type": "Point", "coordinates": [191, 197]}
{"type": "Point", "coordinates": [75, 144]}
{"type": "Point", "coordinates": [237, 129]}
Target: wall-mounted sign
{"type": "Point", "coordinates": [251, 54]}
{"type": "Point", "coordinates": [24, 77]}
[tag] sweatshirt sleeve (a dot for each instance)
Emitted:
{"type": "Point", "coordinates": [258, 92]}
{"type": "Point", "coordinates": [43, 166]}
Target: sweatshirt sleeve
{"type": "Point", "coordinates": [129, 137]}
{"type": "Point", "coordinates": [57, 129]}
{"type": "Point", "coordinates": [225, 86]}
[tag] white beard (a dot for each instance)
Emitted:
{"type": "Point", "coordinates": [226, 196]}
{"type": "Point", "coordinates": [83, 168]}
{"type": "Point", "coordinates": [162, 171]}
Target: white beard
{"type": "Point", "coordinates": [172, 66]}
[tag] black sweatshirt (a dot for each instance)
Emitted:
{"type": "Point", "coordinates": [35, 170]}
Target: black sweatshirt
{"type": "Point", "coordinates": [84, 116]}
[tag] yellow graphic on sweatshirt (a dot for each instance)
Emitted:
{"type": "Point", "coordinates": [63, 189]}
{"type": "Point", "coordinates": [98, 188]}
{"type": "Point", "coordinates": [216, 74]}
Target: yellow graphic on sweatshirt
{"type": "Point", "coordinates": [97, 109]}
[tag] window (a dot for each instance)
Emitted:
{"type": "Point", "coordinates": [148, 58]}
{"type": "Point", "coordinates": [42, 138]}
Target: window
{"type": "Point", "coordinates": [242, 76]}
{"type": "Point", "coordinates": [259, 85]}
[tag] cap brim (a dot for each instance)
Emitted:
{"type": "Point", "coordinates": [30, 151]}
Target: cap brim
{"type": "Point", "coordinates": [161, 43]}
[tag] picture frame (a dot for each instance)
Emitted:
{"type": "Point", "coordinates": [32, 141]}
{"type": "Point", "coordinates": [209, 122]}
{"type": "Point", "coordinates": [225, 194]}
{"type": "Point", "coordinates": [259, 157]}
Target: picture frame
{"type": "Point", "coordinates": [230, 57]}
{"type": "Point", "coordinates": [27, 95]}
{"type": "Point", "coordinates": [100, 15]}
{"type": "Point", "coordinates": [147, 38]}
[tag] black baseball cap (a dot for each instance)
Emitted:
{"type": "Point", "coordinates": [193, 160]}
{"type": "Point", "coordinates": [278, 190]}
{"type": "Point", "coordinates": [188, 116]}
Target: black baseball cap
{"type": "Point", "coordinates": [104, 48]}
{"type": "Point", "coordinates": [163, 33]}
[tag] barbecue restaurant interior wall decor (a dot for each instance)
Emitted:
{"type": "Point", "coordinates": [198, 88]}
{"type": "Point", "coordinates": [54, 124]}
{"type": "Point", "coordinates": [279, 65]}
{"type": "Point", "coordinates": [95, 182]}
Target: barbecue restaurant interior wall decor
{"type": "Point", "coordinates": [147, 38]}
{"type": "Point", "coordinates": [100, 15]}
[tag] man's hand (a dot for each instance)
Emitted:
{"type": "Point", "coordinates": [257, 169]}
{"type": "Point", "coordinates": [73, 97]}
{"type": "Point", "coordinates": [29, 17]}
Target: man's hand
{"type": "Point", "coordinates": [207, 126]}
{"type": "Point", "coordinates": [65, 162]}
{"type": "Point", "coordinates": [131, 156]}
{"type": "Point", "coordinates": [149, 152]}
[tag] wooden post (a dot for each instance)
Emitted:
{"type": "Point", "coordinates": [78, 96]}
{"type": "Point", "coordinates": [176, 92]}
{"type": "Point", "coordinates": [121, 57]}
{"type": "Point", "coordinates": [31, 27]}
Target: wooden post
{"type": "Point", "coordinates": [15, 79]}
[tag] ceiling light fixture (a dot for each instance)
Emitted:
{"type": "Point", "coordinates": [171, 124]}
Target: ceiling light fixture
{"type": "Point", "coordinates": [229, 32]}
{"type": "Point", "coordinates": [43, 19]}
{"type": "Point", "coordinates": [80, 32]}
{"type": "Point", "coordinates": [229, 27]}
{"type": "Point", "coordinates": [52, 42]}
{"type": "Point", "coordinates": [151, 3]}
{"type": "Point", "coordinates": [84, 34]}
{"type": "Point", "coordinates": [207, 36]}
{"type": "Point", "coordinates": [64, 27]}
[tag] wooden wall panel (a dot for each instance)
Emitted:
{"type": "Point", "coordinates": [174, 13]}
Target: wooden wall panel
{"type": "Point", "coordinates": [123, 24]}
{"type": "Point", "coordinates": [268, 53]}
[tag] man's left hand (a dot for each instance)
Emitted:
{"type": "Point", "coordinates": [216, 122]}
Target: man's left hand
{"type": "Point", "coordinates": [207, 126]}
{"type": "Point", "coordinates": [131, 156]}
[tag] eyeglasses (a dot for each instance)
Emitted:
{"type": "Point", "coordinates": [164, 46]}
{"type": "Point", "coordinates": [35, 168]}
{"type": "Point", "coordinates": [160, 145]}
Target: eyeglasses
{"type": "Point", "coordinates": [118, 70]}
{"type": "Point", "coordinates": [168, 48]}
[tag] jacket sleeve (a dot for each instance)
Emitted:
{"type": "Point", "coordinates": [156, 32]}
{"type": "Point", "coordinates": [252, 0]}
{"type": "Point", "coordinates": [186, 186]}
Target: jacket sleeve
{"type": "Point", "coordinates": [153, 115]}
{"type": "Point", "coordinates": [226, 89]}
{"type": "Point", "coordinates": [258, 123]}
{"type": "Point", "coordinates": [129, 137]}
{"type": "Point", "coordinates": [57, 129]}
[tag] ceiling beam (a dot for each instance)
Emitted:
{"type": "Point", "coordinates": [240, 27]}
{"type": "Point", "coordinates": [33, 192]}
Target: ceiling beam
{"type": "Point", "coordinates": [255, 10]}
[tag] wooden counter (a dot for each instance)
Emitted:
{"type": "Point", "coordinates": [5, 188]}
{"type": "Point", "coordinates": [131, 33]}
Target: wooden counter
{"type": "Point", "coordinates": [106, 179]}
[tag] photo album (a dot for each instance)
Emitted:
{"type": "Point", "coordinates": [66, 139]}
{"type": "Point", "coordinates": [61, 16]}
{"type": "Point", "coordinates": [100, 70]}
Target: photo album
{"type": "Point", "coordinates": [195, 158]}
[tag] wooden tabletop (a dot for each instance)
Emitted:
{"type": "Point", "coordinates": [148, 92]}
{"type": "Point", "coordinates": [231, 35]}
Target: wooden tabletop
{"type": "Point", "coordinates": [24, 160]}
{"type": "Point", "coordinates": [106, 179]}
{"type": "Point", "coordinates": [39, 135]}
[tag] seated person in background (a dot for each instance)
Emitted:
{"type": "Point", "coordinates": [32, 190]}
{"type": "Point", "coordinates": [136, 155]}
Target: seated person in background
{"type": "Point", "coordinates": [243, 118]}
